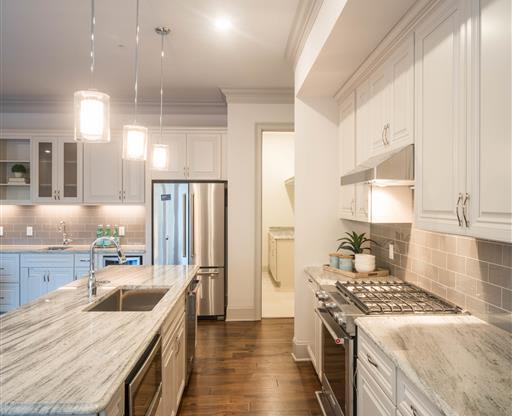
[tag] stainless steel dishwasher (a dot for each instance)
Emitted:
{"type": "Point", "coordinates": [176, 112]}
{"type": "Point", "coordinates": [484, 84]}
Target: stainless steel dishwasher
{"type": "Point", "coordinates": [191, 323]}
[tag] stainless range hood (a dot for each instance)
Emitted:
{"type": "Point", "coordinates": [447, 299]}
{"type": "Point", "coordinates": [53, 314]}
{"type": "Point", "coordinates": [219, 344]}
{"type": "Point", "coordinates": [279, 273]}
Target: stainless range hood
{"type": "Point", "coordinates": [395, 168]}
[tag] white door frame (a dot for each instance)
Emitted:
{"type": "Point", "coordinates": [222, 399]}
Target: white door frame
{"type": "Point", "coordinates": [260, 129]}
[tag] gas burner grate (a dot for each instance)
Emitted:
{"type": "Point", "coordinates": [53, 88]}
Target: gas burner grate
{"type": "Point", "coordinates": [391, 297]}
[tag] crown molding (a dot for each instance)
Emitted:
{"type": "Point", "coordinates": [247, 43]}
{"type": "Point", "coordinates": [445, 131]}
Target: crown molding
{"type": "Point", "coordinates": [259, 95]}
{"type": "Point", "coordinates": [305, 17]}
{"type": "Point", "coordinates": [57, 105]}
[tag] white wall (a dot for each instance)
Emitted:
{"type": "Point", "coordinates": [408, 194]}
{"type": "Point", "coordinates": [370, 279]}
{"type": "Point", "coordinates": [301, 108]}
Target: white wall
{"type": "Point", "coordinates": [243, 119]}
{"type": "Point", "coordinates": [278, 164]}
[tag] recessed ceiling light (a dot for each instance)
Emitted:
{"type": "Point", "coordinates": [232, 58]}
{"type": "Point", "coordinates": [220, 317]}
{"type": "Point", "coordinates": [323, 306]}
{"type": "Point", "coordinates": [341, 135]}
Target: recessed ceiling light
{"type": "Point", "coordinates": [223, 24]}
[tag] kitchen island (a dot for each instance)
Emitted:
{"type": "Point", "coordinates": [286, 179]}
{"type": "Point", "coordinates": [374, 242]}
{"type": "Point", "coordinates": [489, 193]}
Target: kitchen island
{"type": "Point", "coordinates": [58, 358]}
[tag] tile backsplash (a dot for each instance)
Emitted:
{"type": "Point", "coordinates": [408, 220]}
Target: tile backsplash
{"type": "Point", "coordinates": [474, 274]}
{"type": "Point", "coordinates": [81, 223]}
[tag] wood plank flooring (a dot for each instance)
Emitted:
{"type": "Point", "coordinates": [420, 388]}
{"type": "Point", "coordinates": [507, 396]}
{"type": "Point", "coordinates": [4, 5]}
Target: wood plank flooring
{"type": "Point", "coordinates": [246, 368]}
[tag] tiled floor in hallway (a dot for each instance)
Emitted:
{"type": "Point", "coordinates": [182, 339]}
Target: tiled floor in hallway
{"type": "Point", "coordinates": [246, 368]}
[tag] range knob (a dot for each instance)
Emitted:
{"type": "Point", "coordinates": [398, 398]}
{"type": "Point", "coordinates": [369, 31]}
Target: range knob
{"type": "Point", "coordinates": [330, 305]}
{"type": "Point", "coordinates": [322, 295]}
{"type": "Point", "coordinates": [338, 316]}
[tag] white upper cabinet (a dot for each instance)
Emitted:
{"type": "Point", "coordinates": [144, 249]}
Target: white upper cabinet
{"type": "Point", "coordinates": [392, 100]}
{"type": "Point", "coordinates": [346, 149]}
{"type": "Point", "coordinates": [108, 178]}
{"type": "Point", "coordinates": [363, 123]}
{"type": "Point", "coordinates": [489, 185]}
{"type": "Point", "coordinates": [463, 123]}
{"type": "Point", "coordinates": [58, 170]}
{"type": "Point", "coordinates": [103, 172]}
{"type": "Point", "coordinates": [204, 156]}
{"type": "Point", "coordinates": [440, 106]}
{"type": "Point", "coordinates": [193, 155]}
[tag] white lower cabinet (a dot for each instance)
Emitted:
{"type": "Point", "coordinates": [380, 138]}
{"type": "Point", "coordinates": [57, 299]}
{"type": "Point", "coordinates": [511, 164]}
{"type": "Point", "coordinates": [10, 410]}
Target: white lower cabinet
{"type": "Point", "coordinates": [384, 390]}
{"type": "Point", "coordinates": [371, 400]}
{"type": "Point", "coordinates": [280, 261]}
{"type": "Point", "coordinates": [315, 342]}
{"type": "Point", "coordinates": [173, 360]}
{"type": "Point", "coordinates": [9, 281]}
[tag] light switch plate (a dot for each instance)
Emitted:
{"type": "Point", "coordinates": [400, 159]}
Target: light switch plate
{"type": "Point", "coordinates": [30, 231]}
{"type": "Point", "coordinates": [391, 251]}
{"type": "Point", "coordinates": [1, 230]}
{"type": "Point", "coordinates": [122, 231]}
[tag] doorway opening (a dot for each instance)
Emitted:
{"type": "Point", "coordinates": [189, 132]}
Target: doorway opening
{"type": "Point", "coordinates": [277, 224]}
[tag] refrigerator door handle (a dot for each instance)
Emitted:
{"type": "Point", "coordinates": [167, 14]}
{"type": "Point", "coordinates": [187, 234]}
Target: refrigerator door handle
{"type": "Point", "coordinates": [184, 254]}
{"type": "Point", "coordinates": [193, 223]}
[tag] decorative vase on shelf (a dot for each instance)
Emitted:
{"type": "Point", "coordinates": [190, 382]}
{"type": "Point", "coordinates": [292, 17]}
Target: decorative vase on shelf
{"type": "Point", "coordinates": [18, 174]}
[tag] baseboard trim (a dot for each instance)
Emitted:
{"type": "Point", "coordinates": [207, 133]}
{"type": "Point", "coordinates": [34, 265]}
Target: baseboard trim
{"type": "Point", "coordinates": [240, 314]}
{"type": "Point", "coordinates": [300, 351]}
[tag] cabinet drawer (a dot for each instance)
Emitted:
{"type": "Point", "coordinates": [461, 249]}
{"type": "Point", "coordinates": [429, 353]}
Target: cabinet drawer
{"type": "Point", "coordinates": [412, 402]}
{"type": "Point", "coordinates": [380, 367]}
{"type": "Point", "coordinates": [9, 268]}
{"type": "Point", "coordinates": [81, 272]}
{"type": "Point", "coordinates": [82, 260]}
{"type": "Point", "coordinates": [9, 296]}
{"type": "Point", "coordinates": [47, 260]}
{"type": "Point", "coordinates": [172, 320]}
{"type": "Point", "coordinates": [371, 400]}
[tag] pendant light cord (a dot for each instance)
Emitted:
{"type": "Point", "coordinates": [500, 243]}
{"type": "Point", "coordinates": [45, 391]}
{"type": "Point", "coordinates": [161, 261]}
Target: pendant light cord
{"type": "Point", "coordinates": [93, 24]}
{"type": "Point", "coordinates": [137, 29]}
{"type": "Point", "coordinates": [161, 84]}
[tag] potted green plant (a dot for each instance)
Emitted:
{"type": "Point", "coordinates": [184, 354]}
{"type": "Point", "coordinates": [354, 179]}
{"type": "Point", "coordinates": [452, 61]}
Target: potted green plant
{"type": "Point", "coordinates": [357, 244]}
{"type": "Point", "coordinates": [18, 170]}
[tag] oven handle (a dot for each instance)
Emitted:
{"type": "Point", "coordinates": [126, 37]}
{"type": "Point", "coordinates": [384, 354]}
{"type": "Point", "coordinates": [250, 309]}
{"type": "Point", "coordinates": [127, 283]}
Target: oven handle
{"type": "Point", "coordinates": [338, 335]}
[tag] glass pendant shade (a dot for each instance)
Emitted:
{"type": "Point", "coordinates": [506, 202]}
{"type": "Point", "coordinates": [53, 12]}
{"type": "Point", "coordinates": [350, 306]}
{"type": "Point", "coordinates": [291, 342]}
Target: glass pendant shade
{"type": "Point", "coordinates": [92, 116]}
{"type": "Point", "coordinates": [160, 157]}
{"type": "Point", "coordinates": [135, 142]}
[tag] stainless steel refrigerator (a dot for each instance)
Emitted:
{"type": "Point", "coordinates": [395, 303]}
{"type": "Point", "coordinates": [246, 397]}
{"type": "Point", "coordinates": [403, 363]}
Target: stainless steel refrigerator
{"type": "Point", "coordinates": [189, 227]}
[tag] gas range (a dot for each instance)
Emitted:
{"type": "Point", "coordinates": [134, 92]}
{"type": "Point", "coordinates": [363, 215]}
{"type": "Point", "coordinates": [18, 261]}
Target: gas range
{"type": "Point", "coordinates": [347, 300]}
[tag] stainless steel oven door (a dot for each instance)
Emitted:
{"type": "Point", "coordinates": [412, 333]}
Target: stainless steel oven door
{"type": "Point", "coordinates": [145, 388]}
{"type": "Point", "coordinates": [338, 366]}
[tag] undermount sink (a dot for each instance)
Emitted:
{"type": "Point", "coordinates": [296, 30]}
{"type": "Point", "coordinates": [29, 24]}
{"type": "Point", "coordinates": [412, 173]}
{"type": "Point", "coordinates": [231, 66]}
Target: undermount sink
{"type": "Point", "coordinates": [130, 300]}
{"type": "Point", "coordinates": [56, 248]}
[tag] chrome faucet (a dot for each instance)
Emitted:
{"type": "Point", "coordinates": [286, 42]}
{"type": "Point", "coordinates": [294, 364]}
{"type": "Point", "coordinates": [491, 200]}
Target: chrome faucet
{"type": "Point", "coordinates": [62, 229]}
{"type": "Point", "coordinates": [91, 282]}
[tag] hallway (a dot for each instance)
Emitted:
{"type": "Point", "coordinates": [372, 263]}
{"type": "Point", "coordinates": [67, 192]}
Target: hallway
{"type": "Point", "coordinates": [246, 368]}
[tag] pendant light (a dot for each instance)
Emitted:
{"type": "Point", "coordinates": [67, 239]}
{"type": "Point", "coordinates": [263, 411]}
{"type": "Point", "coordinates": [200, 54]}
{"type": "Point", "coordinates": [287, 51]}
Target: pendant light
{"type": "Point", "coordinates": [91, 107]}
{"type": "Point", "coordinates": [135, 136]}
{"type": "Point", "coordinates": [160, 153]}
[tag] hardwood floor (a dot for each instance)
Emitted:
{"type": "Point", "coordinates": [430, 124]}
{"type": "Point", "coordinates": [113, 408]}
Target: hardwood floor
{"type": "Point", "coordinates": [246, 368]}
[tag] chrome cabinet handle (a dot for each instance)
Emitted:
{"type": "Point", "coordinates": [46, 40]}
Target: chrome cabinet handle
{"type": "Point", "coordinates": [464, 209]}
{"type": "Point", "coordinates": [386, 131]}
{"type": "Point", "coordinates": [382, 135]}
{"type": "Point", "coordinates": [457, 206]}
{"type": "Point", "coordinates": [370, 360]}
{"type": "Point", "coordinates": [124, 194]}
{"type": "Point", "coordinates": [413, 410]}
{"type": "Point", "coordinates": [120, 197]}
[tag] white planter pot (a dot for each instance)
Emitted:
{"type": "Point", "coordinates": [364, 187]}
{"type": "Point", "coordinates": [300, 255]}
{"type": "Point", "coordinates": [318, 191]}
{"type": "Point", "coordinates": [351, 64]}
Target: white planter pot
{"type": "Point", "coordinates": [365, 263]}
{"type": "Point", "coordinates": [18, 174]}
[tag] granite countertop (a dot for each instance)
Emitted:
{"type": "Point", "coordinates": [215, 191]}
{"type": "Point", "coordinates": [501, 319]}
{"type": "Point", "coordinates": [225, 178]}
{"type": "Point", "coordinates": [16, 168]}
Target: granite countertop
{"type": "Point", "coordinates": [57, 359]}
{"type": "Point", "coordinates": [324, 277]}
{"type": "Point", "coordinates": [128, 248]}
{"type": "Point", "coordinates": [461, 363]}
{"type": "Point", "coordinates": [282, 233]}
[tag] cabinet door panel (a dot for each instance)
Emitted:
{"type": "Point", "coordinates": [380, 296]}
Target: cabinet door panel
{"type": "Point", "coordinates": [363, 121]}
{"type": "Point", "coordinates": [347, 156]}
{"type": "Point", "coordinates": [9, 296]}
{"type": "Point", "coordinates": [133, 181]}
{"type": "Point", "coordinates": [402, 84]}
{"type": "Point", "coordinates": [490, 144]}
{"type": "Point", "coordinates": [177, 148]}
{"type": "Point", "coordinates": [59, 277]}
{"type": "Point", "coordinates": [33, 284]}
{"type": "Point", "coordinates": [204, 156]}
{"type": "Point", "coordinates": [380, 104]}
{"type": "Point", "coordinates": [440, 135]}
{"type": "Point", "coordinates": [103, 172]}
{"type": "Point", "coordinates": [70, 171]}
{"type": "Point", "coordinates": [371, 400]}
{"type": "Point", "coordinates": [180, 363]}
{"type": "Point", "coordinates": [168, 394]}
{"type": "Point", "coordinates": [45, 169]}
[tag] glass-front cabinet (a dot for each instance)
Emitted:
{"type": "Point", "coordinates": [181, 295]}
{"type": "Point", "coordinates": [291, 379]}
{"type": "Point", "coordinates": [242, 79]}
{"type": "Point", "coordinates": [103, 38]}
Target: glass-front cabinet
{"type": "Point", "coordinates": [57, 170]}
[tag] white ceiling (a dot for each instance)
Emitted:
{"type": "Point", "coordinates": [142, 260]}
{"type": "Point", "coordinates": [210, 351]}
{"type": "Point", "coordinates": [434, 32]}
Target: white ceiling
{"type": "Point", "coordinates": [45, 47]}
